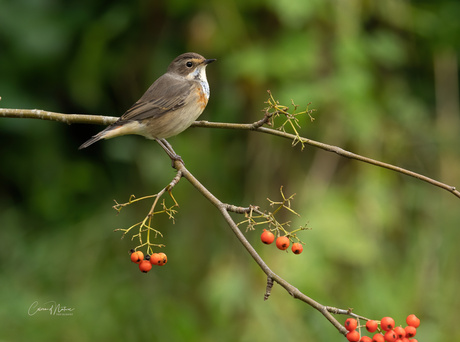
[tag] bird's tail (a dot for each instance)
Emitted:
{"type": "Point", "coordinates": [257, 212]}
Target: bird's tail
{"type": "Point", "coordinates": [117, 129]}
{"type": "Point", "coordinates": [95, 138]}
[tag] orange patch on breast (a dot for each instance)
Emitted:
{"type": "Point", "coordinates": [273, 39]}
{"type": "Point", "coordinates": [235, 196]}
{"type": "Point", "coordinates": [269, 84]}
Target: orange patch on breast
{"type": "Point", "coordinates": [202, 98]}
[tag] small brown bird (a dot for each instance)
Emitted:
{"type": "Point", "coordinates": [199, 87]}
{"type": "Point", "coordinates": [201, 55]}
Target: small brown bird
{"type": "Point", "coordinates": [168, 107]}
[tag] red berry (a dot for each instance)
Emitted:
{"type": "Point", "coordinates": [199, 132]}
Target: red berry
{"type": "Point", "coordinates": [390, 336]}
{"type": "Point", "coordinates": [297, 248]}
{"type": "Point", "coordinates": [145, 266]}
{"type": "Point", "coordinates": [378, 338]}
{"type": "Point", "coordinates": [410, 331]}
{"type": "Point", "coordinates": [371, 325]}
{"type": "Point", "coordinates": [353, 336]}
{"type": "Point", "coordinates": [155, 259]}
{"type": "Point", "coordinates": [413, 321]}
{"type": "Point", "coordinates": [387, 323]}
{"type": "Point", "coordinates": [158, 259]}
{"type": "Point", "coordinates": [164, 259]}
{"type": "Point", "coordinates": [413, 340]}
{"type": "Point", "coordinates": [137, 257]}
{"type": "Point", "coordinates": [366, 339]}
{"type": "Point", "coordinates": [267, 237]}
{"type": "Point", "coordinates": [400, 332]}
{"type": "Point", "coordinates": [282, 242]}
{"type": "Point", "coordinates": [351, 324]}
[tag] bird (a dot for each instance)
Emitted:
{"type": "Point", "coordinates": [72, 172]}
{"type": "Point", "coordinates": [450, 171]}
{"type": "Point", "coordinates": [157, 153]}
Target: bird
{"type": "Point", "coordinates": [168, 107]}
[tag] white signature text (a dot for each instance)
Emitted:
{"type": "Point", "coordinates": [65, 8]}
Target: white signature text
{"type": "Point", "coordinates": [53, 308]}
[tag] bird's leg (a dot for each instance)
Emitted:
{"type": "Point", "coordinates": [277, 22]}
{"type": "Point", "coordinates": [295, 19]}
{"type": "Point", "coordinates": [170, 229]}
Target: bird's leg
{"type": "Point", "coordinates": [170, 151]}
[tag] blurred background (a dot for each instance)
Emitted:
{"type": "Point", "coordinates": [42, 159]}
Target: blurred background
{"type": "Point", "coordinates": [383, 77]}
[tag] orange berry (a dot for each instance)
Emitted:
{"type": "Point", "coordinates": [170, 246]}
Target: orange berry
{"type": "Point", "coordinates": [371, 325]}
{"type": "Point", "coordinates": [158, 259]}
{"type": "Point", "coordinates": [351, 324]}
{"type": "Point", "coordinates": [400, 332]}
{"type": "Point", "coordinates": [297, 248]}
{"type": "Point", "coordinates": [413, 321]}
{"type": "Point", "coordinates": [387, 323]}
{"type": "Point", "coordinates": [155, 259]}
{"type": "Point", "coordinates": [164, 259]}
{"type": "Point", "coordinates": [145, 266]}
{"type": "Point", "coordinates": [353, 336]}
{"type": "Point", "coordinates": [378, 338]}
{"type": "Point", "coordinates": [410, 331]}
{"type": "Point", "coordinates": [137, 257]}
{"type": "Point", "coordinates": [390, 336]}
{"type": "Point", "coordinates": [365, 339]}
{"type": "Point", "coordinates": [282, 242]}
{"type": "Point", "coordinates": [267, 237]}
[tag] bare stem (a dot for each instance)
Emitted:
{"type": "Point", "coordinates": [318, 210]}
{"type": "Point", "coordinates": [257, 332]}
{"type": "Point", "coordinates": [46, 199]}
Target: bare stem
{"type": "Point", "coordinates": [224, 210]}
{"type": "Point", "coordinates": [256, 126]}
{"type": "Point", "coordinates": [59, 117]}
{"type": "Point", "coordinates": [329, 148]}
{"type": "Point", "coordinates": [145, 226]}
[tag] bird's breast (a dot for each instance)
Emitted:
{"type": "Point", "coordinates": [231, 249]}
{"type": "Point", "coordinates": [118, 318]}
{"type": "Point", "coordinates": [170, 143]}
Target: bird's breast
{"type": "Point", "coordinates": [205, 88]}
{"type": "Point", "coordinates": [203, 94]}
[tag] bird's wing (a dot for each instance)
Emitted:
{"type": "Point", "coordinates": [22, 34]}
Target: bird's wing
{"type": "Point", "coordinates": [166, 94]}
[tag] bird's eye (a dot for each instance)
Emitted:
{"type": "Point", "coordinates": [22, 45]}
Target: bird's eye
{"type": "Point", "coordinates": [189, 64]}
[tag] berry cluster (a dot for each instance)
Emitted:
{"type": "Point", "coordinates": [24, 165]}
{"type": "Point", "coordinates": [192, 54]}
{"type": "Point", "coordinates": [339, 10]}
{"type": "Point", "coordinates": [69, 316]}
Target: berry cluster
{"type": "Point", "coordinates": [387, 332]}
{"type": "Point", "coordinates": [145, 264]}
{"type": "Point", "coordinates": [282, 242]}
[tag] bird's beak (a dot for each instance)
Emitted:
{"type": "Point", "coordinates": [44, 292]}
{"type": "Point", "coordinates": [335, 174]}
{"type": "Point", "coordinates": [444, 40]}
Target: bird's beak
{"type": "Point", "coordinates": [207, 61]}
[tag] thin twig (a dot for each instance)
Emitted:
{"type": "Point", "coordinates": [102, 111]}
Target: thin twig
{"type": "Point", "coordinates": [256, 126]}
{"type": "Point", "coordinates": [59, 117]}
{"type": "Point", "coordinates": [329, 148]}
{"type": "Point", "coordinates": [145, 226]}
{"type": "Point", "coordinates": [223, 208]}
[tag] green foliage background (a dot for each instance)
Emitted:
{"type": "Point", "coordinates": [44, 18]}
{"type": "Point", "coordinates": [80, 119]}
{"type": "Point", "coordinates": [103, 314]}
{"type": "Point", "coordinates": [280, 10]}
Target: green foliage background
{"type": "Point", "coordinates": [383, 76]}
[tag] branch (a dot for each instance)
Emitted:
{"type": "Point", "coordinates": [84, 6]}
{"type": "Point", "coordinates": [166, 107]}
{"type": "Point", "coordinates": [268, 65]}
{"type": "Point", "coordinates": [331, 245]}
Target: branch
{"type": "Point", "coordinates": [329, 148]}
{"type": "Point", "coordinates": [256, 126]}
{"type": "Point", "coordinates": [271, 276]}
{"type": "Point", "coordinates": [224, 208]}
{"type": "Point", "coordinates": [145, 226]}
{"type": "Point", "coordinates": [59, 117]}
